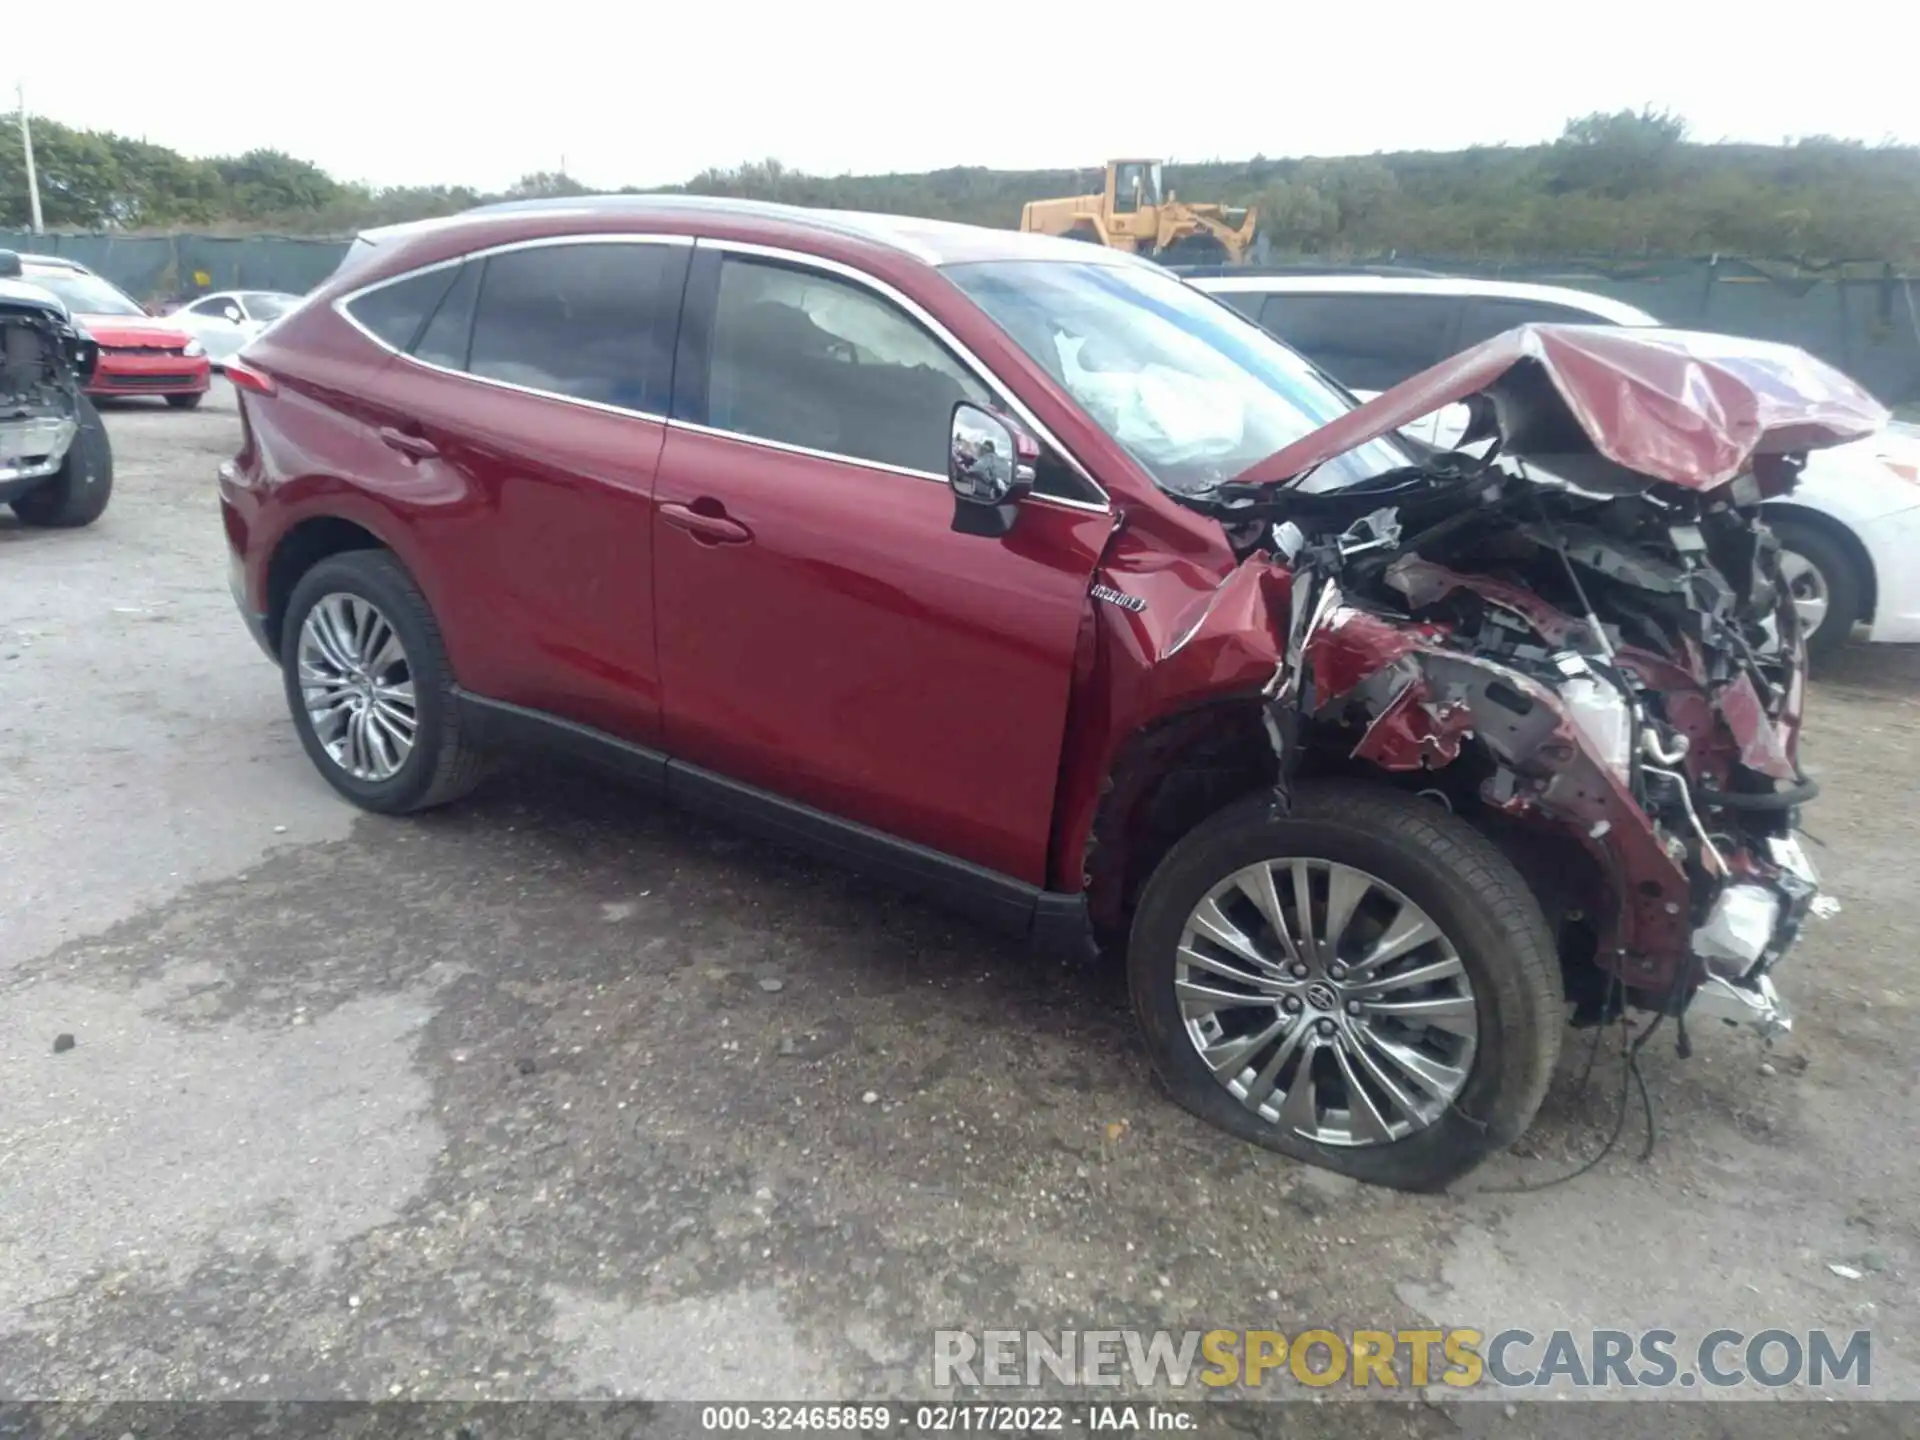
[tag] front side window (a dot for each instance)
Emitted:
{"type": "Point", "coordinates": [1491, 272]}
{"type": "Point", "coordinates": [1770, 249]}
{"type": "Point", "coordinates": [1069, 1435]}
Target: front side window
{"type": "Point", "coordinates": [1366, 342]}
{"type": "Point", "coordinates": [1194, 393]}
{"type": "Point", "coordinates": [807, 359]}
{"type": "Point", "coordinates": [592, 320]}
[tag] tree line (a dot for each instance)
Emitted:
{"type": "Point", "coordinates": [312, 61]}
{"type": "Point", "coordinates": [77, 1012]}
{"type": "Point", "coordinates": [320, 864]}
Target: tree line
{"type": "Point", "coordinates": [1629, 184]}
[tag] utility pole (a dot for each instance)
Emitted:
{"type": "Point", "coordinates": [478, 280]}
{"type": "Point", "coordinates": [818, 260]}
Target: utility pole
{"type": "Point", "coordinates": [33, 180]}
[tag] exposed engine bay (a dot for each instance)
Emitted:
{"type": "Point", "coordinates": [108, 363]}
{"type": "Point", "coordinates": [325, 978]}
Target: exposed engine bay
{"type": "Point", "coordinates": [1584, 646]}
{"type": "Point", "coordinates": [44, 360]}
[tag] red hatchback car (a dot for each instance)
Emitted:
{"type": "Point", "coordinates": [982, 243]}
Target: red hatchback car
{"type": "Point", "coordinates": [1039, 581]}
{"type": "Point", "coordinates": [139, 354]}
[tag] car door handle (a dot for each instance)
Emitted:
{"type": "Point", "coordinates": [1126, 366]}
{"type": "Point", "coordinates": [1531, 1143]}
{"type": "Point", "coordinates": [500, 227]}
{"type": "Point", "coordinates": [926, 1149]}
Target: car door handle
{"type": "Point", "coordinates": [418, 446]}
{"type": "Point", "coordinates": [709, 528]}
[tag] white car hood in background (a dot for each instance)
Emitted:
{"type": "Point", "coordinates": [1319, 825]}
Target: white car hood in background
{"type": "Point", "coordinates": [1869, 478]}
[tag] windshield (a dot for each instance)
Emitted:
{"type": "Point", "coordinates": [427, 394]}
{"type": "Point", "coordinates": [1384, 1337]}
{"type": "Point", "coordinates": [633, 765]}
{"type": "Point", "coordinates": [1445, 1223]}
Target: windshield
{"type": "Point", "coordinates": [84, 294]}
{"type": "Point", "coordinates": [264, 306]}
{"type": "Point", "coordinates": [1135, 184]}
{"type": "Point", "coordinates": [1194, 392]}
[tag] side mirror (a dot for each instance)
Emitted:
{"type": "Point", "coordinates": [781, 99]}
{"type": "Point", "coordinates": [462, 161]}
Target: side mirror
{"type": "Point", "coordinates": [230, 313]}
{"type": "Point", "coordinates": [990, 468]}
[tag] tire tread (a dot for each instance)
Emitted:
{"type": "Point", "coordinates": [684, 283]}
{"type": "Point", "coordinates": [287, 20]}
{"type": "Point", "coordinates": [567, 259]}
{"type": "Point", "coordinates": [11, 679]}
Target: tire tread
{"type": "Point", "coordinates": [57, 504]}
{"type": "Point", "coordinates": [1844, 598]}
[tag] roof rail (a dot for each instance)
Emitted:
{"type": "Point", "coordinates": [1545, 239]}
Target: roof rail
{"type": "Point", "coordinates": [1330, 268]}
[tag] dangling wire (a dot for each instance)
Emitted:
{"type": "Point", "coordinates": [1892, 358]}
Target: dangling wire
{"type": "Point", "coordinates": [1631, 1078]}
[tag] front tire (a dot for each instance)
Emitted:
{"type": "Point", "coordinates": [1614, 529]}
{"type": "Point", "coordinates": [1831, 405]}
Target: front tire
{"type": "Point", "coordinates": [1402, 1035]}
{"type": "Point", "coordinates": [187, 402]}
{"type": "Point", "coordinates": [370, 689]}
{"type": "Point", "coordinates": [78, 494]}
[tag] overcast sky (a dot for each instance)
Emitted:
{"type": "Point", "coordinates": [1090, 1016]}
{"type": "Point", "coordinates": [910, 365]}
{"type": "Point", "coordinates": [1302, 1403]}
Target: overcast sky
{"type": "Point", "coordinates": [400, 93]}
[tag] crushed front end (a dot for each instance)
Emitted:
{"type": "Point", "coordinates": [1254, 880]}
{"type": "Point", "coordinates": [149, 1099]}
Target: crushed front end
{"type": "Point", "coordinates": [1580, 640]}
{"type": "Point", "coordinates": [44, 360]}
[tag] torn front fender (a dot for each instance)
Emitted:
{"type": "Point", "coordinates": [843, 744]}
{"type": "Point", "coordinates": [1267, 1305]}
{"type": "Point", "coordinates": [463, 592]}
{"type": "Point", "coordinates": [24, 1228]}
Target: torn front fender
{"type": "Point", "coordinates": [1166, 635]}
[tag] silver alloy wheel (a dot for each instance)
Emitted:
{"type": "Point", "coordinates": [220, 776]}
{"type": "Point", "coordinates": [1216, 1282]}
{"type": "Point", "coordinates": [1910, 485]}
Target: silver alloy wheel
{"type": "Point", "coordinates": [357, 686]}
{"type": "Point", "coordinates": [1326, 1002]}
{"type": "Point", "coordinates": [1808, 588]}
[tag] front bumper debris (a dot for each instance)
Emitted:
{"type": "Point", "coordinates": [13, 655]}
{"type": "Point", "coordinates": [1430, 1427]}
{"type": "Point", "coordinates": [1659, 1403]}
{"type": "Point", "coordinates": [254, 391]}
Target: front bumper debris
{"type": "Point", "coordinates": [33, 448]}
{"type": "Point", "coordinates": [1757, 1005]}
{"type": "Point", "coordinates": [1752, 923]}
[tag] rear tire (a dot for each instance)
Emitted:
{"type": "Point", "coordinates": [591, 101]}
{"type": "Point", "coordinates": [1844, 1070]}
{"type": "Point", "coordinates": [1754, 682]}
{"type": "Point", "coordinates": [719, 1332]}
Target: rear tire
{"type": "Point", "coordinates": [186, 402]}
{"type": "Point", "coordinates": [1825, 572]}
{"type": "Point", "coordinates": [1441, 869]}
{"type": "Point", "coordinates": [78, 494]}
{"type": "Point", "coordinates": [441, 763]}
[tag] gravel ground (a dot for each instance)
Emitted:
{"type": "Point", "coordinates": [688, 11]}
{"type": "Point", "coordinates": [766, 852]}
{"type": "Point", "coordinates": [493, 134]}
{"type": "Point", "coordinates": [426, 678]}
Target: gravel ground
{"type": "Point", "coordinates": [558, 1094]}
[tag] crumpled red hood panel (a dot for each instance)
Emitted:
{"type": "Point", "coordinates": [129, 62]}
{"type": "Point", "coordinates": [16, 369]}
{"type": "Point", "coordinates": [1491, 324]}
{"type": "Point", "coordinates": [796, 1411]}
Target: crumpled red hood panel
{"type": "Point", "coordinates": [1675, 405]}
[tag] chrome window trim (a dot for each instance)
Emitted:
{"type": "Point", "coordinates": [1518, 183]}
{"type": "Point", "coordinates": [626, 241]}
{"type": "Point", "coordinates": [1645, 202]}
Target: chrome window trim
{"type": "Point", "coordinates": [946, 337]}
{"type": "Point", "coordinates": [907, 472]}
{"type": "Point", "coordinates": [721, 433]}
{"type": "Point", "coordinates": [968, 359]}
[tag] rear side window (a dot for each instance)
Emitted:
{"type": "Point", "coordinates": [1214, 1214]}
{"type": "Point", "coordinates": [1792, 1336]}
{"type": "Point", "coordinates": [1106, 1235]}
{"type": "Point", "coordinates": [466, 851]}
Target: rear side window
{"type": "Point", "coordinates": [810, 360]}
{"type": "Point", "coordinates": [593, 320]}
{"type": "Point", "coordinates": [395, 312]}
{"type": "Point", "coordinates": [1366, 342]}
{"type": "Point", "coordinates": [1488, 317]}
{"type": "Point", "coordinates": [444, 341]}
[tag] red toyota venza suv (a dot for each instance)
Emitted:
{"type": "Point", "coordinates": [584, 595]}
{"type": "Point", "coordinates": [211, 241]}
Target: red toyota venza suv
{"type": "Point", "coordinates": [1025, 574]}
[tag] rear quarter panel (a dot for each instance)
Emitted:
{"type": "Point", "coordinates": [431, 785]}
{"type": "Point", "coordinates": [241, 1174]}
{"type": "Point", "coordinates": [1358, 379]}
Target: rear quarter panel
{"type": "Point", "coordinates": [312, 451]}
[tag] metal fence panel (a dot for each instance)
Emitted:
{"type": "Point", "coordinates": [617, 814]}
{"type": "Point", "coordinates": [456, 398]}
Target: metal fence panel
{"type": "Point", "coordinates": [1867, 326]}
{"type": "Point", "coordinates": [159, 267]}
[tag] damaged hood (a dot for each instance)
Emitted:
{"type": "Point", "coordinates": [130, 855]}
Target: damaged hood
{"type": "Point", "coordinates": [1615, 406]}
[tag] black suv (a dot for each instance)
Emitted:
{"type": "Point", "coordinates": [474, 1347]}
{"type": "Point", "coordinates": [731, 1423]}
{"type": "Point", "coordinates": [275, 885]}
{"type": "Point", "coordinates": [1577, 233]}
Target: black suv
{"type": "Point", "coordinates": [56, 466]}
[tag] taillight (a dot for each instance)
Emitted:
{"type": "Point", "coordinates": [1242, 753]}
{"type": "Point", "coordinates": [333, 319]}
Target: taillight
{"type": "Point", "coordinates": [245, 377]}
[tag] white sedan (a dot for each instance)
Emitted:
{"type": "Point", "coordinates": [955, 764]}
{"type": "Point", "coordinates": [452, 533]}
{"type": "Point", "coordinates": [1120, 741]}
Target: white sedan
{"type": "Point", "coordinates": [1851, 529]}
{"type": "Point", "coordinates": [226, 320]}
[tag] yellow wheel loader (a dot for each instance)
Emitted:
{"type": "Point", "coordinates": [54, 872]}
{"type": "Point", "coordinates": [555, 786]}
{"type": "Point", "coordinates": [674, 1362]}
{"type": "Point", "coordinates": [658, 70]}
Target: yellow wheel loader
{"type": "Point", "coordinates": [1133, 214]}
